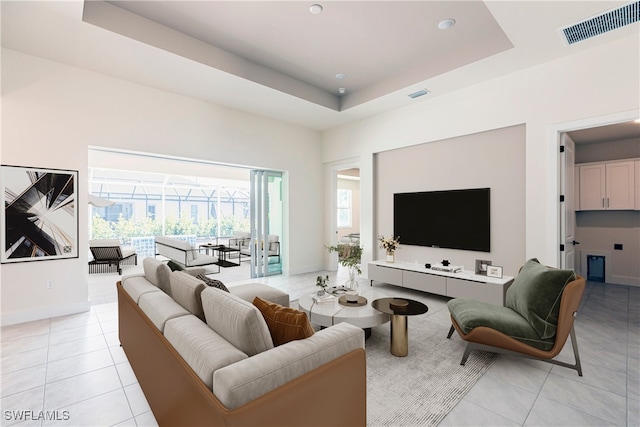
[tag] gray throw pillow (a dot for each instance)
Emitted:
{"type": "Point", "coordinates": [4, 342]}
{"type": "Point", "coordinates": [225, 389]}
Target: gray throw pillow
{"type": "Point", "coordinates": [174, 266]}
{"type": "Point", "coordinates": [212, 282]}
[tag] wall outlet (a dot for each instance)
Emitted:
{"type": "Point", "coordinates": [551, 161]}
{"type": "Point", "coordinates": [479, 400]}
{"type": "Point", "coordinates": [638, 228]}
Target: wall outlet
{"type": "Point", "coordinates": [50, 284]}
{"type": "Point", "coordinates": [617, 246]}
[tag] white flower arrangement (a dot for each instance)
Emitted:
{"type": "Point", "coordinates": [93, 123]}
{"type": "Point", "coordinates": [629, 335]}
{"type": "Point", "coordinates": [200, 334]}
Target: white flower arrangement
{"type": "Point", "coordinates": [389, 243]}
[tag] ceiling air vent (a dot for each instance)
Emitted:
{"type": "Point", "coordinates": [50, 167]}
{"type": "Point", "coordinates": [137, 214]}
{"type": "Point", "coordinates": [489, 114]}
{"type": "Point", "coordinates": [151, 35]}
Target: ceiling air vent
{"type": "Point", "coordinates": [607, 21]}
{"type": "Point", "coordinates": [418, 94]}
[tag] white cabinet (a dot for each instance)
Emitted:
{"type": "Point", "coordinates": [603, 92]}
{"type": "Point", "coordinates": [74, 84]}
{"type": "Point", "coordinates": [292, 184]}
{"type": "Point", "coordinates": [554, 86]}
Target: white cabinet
{"type": "Point", "coordinates": [464, 284]}
{"type": "Point", "coordinates": [388, 275]}
{"type": "Point", "coordinates": [479, 291]}
{"type": "Point", "coordinates": [620, 186]}
{"type": "Point", "coordinates": [608, 185]}
{"type": "Point", "coordinates": [592, 187]}
{"type": "Point", "coordinates": [424, 282]}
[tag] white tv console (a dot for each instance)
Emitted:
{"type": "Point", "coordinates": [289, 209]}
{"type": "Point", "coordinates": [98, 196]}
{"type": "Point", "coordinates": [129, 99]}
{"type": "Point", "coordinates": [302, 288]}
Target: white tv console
{"type": "Point", "coordinates": [464, 284]}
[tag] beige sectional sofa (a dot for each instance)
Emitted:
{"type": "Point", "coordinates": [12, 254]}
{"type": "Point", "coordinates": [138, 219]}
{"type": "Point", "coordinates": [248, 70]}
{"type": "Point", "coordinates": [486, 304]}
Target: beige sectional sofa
{"type": "Point", "coordinates": [204, 356]}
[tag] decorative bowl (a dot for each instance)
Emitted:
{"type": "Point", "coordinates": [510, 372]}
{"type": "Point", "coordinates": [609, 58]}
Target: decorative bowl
{"type": "Point", "coordinates": [352, 296]}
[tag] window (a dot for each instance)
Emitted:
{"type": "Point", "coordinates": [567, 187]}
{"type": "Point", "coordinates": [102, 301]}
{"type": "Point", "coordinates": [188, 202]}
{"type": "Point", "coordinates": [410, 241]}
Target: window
{"type": "Point", "coordinates": [344, 208]}
{"type": "Point", "coordinates": [113, 213]}
{"type": "Point", "coordinates": [168, 204]}
{"type": "Point", "coordinates": [194, 213]}
{"type": "Point", "coordinates": [151, 212]}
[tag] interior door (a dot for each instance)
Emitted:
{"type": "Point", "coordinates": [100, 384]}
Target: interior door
{"type": "Point", "coordinates": [567, 208]}
{"type": "Point", "coordinates": [266, 223]}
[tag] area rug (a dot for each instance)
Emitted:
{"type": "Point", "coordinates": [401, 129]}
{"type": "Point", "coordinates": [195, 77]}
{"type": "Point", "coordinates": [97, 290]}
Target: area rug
{"type": "Point", "coordinates": [421, 388]}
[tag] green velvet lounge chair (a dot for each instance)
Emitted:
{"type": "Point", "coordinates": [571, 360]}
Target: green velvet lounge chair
{"type": "Point", "coordinates": [541, 306]}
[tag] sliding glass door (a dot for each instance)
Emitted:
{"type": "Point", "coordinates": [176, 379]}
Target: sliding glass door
{"type": "Point", "coordinates": [266, 223]}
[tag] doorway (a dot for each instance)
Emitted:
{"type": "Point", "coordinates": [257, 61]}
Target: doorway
{"type": "Point", "coordinates": [161, 195]}
{"type": "Point", "coordinates": [347, 209]}
{"type": "Point", "coordinates": [596, 140]}
{"type": "Point", "coordinates": [266, 223]}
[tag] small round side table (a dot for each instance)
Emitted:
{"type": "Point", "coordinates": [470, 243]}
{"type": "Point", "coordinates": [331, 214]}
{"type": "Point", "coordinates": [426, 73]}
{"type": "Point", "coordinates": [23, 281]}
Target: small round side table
{"type": "Point", "coordinates": [399, 309]}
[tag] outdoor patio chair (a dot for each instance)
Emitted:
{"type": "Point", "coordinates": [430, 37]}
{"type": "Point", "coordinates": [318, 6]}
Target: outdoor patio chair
{"type": "Point", "coordinates": [242, 242]}
{"type": "Point", "coordinates": [107, 253]}
{"type": "Point", "coordinates": [273, 249]}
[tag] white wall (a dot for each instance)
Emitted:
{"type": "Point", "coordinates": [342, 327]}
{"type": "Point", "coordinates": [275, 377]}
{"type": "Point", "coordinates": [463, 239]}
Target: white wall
{"type": "Point", "coordinates": [580, 87]}
{"type": "Point", "coordinates": [493, 159]}
{"type": "Point", "coordinates": [52, 114]}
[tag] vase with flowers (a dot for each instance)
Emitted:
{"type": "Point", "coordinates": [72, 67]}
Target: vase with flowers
{"type": "Point", "coordinates": [352, 261]}
{"type": "Point", "coordinates": [389, 244]}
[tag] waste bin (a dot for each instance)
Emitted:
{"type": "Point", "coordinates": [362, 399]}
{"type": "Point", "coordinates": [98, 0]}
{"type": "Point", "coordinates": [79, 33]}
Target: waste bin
{"type": "Point", "coordinates": [595, 268]}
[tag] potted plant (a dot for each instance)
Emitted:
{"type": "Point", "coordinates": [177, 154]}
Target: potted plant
{"type": "Point", "coordinates": [322, 283]}
{"type": "Point", "coordinates": [352, 261]}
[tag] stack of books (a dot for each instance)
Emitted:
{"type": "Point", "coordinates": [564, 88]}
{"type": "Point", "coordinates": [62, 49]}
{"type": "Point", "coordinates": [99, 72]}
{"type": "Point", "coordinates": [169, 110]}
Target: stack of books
{"type": "Point", "coordinates": [447, 268]}
{"type": "Point", "coordinates": [324, 299]}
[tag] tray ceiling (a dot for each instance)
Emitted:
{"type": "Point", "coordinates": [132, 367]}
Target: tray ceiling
{"type": "Point", "coordinates": [364, 49]}
{"type": "Point", "coordinates": [278, 60]}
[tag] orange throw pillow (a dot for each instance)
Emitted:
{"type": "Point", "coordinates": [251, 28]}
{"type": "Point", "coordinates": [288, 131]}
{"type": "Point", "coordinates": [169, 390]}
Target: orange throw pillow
{"type": "Point", "coordinates": [285, 323]}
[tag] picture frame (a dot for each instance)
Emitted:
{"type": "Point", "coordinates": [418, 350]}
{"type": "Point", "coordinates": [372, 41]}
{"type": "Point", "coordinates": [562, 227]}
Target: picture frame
{"type": "Point", "coordinates": [481, 267]}
{"type": "Point", "coordinates": [494, 271]}
{"type": "Point", "coordinates": [39, 218]}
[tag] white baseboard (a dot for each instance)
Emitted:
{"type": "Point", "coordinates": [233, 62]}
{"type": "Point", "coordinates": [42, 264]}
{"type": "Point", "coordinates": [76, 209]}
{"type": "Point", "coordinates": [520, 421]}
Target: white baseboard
{"type": "Point", "coordinates": [624, 280]}
{"type": "Point", "coordinates": [304, 270]}
{"type": "Point", "coordinates": [44, 313]}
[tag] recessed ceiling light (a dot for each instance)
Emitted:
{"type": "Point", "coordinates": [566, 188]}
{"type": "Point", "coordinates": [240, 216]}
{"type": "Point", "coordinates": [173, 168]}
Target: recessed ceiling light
{"type": "Point", "coordinates": [315, 9]}
{"type": "Point", "coordinates": [341, 76]}
{"type": "Point", "coordinates": [342, 90]}
{"type": "Point", "coordinates": [445, 24]}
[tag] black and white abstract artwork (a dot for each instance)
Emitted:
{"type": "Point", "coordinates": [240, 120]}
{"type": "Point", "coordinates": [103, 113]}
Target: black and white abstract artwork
{"type": "Point", "coordinates": [39, 219]}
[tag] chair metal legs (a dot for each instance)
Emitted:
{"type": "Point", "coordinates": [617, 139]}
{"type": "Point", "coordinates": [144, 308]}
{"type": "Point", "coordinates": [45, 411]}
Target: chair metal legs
{"type": "Point", "coordinates": [574, 343]}
{"type": "Point", "coordinates": [451, 330]}
{"type": "Point", "coordinates": [471, 346]}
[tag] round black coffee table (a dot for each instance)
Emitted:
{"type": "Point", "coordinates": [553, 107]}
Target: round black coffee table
{"type": "Point", "coordinates": [399, 309]}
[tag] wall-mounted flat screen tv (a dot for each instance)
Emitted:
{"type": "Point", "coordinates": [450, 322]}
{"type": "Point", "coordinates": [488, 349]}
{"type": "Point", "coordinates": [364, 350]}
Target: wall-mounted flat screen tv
{"type": "Point", "coordinates": [453, 219]}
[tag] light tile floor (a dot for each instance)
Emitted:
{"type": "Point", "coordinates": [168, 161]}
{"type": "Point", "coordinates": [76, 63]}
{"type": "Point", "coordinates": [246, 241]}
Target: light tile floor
{"type": "Point", "coordinates": [71, 370]}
